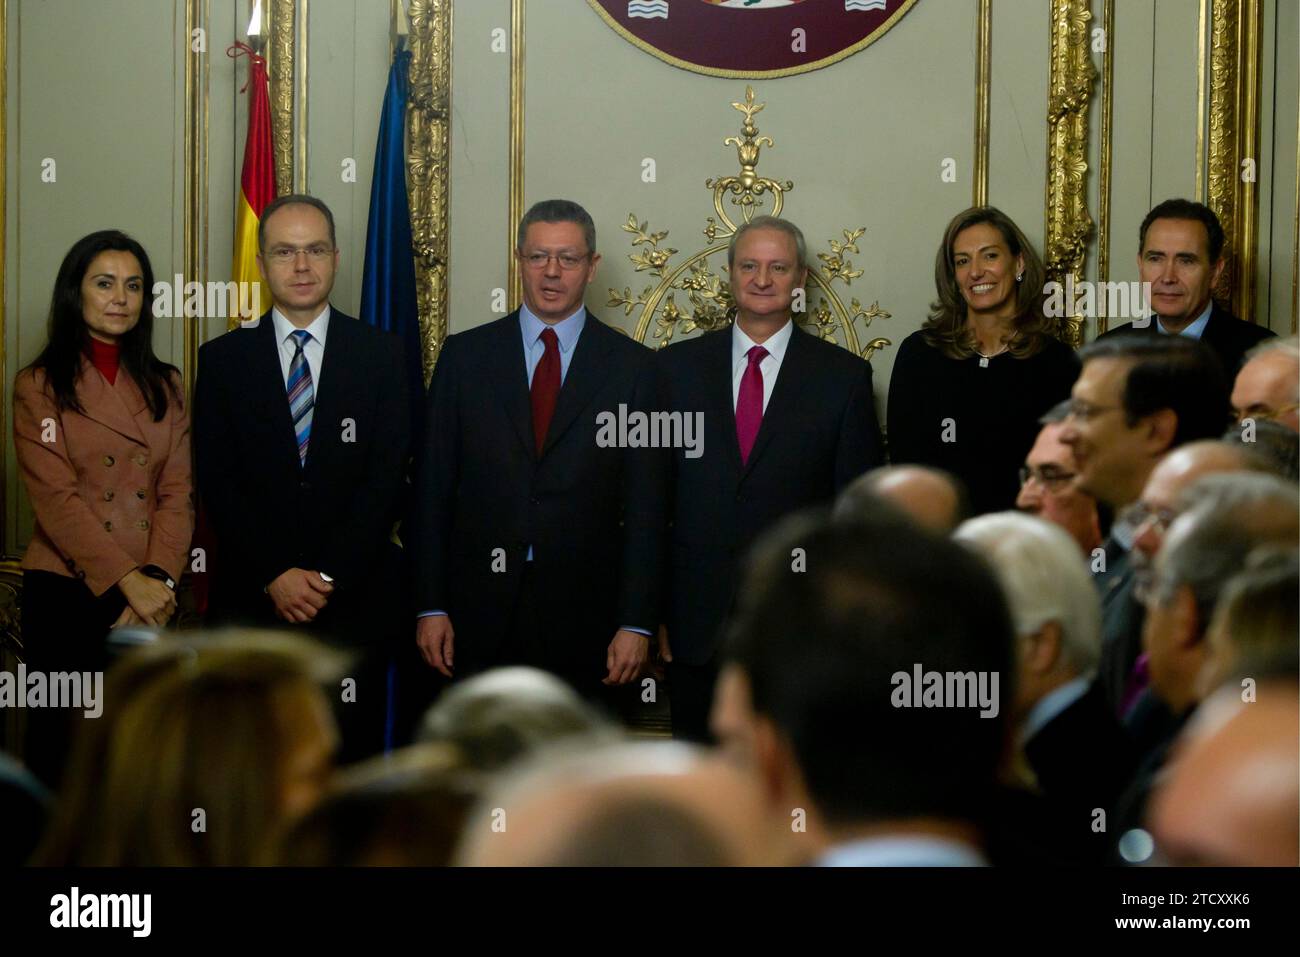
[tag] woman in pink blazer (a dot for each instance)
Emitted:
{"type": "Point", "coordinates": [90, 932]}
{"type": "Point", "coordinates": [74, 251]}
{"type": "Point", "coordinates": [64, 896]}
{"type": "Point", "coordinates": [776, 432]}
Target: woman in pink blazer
{"type": "Point", "coordinates": [103, 445]}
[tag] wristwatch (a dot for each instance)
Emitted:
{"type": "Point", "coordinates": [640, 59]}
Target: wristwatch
{"type": "Point", "coordinates": [153, 571]}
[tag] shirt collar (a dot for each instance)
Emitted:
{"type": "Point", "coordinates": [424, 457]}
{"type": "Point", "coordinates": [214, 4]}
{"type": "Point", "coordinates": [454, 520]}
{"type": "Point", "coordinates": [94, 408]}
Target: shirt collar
{"type": "Point", "coordinates": [567, 330]}
{"type": "Point", "coordinates": [775, 344]}
{"type": "Point", "coordinates": [319, 327]}
{"type": "Point", "coordinates": [1052, 704]}
{"type": "Point", "coordinates": [920, 850]}
{"type": "Point", "coordinates": [1195, 329]}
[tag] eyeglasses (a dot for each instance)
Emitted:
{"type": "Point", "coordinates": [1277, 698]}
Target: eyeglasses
{"type": "Point", "coordinates": [283, 255]}
{"type": "Point", "coordinates": [1140, 513]}
{"type": "Point", "coordinates": [1265, 415]}
{"type": "Point", "coordinates": [1048, 476]}
{"type": "Point", "coordinates": [567, 261]}
{"type": "Point", "coordinates": [1079, 409]}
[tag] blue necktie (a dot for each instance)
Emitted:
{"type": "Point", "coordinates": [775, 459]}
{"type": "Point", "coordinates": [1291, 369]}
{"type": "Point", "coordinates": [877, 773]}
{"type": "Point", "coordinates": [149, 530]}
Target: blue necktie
{"type": "Point", "coordinates": [302, 396]}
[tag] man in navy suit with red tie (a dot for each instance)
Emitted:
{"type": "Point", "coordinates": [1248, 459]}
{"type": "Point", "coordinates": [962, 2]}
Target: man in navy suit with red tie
{"type": "Point", "coordinates": [789, 420]}
{"type": "Point", "coordinates": [536, 543]}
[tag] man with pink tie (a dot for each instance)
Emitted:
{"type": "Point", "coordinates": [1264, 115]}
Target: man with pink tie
{"type": "Point", "coordinates": [789, 420]}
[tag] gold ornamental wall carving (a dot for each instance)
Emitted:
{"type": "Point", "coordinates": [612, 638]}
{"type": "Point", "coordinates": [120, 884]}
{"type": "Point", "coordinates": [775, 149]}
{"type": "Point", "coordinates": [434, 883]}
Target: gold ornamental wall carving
{"type": "Point", "coordinates": [1233, 139]}
{"type": "Point", "coordinates": [706, 302]}
{"type": "Point", "coordinates": [1069, 90]}
{"type": "Point", "coordinates": [427, 173]}
{"type": "Point", "coordinates": [279, 55]}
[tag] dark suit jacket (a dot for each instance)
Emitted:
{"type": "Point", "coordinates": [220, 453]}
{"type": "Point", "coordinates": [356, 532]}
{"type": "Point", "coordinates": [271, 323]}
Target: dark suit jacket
{"type": "Point", "coordinates": [1122, 616]}
{"type": "Point", "coordinates": [267, 511]}
{"type": "Point", "coordinates": [1082, 757]}
{"type": "Point", "coordinates": [1228, 337]}
{"type": "Point", "coordinates": [593, 515]}
{"type": "Point", "coordinates": [819, 432]}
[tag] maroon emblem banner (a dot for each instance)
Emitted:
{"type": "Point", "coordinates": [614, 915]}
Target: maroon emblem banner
{"type": "Point", "coordinates": [751, 39]}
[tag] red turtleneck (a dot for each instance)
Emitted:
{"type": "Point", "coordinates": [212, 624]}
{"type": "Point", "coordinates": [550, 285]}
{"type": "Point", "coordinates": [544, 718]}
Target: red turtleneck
{"type": "Point", "coordinates": [104, 356]}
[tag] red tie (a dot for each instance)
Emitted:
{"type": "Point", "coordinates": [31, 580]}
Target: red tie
{"type": "Point", "coordinates": [546, 387]}
{"type": "Point", "coordinates": [749, 404]}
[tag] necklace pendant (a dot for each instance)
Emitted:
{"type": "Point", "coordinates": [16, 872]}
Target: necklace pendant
{"type": "Point", "coordinates": [984, 362]}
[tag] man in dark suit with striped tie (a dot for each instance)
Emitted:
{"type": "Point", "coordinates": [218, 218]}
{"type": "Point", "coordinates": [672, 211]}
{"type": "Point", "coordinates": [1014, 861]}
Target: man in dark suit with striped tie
{"type": "Point", "coordinates": [538, 543]}
{"type": "Point", "coordinates": [789, 420]}
{"type": "Point", "coordinates": [301, 437]}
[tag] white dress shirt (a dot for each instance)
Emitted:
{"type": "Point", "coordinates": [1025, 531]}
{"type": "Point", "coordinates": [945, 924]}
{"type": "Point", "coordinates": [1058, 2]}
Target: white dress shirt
{"type": "Point", "coordinates": [770, 366]}
{"type": "Point", "coordinates": [314, 350]}
{"type": "Point", "coordinates": [903, 850]}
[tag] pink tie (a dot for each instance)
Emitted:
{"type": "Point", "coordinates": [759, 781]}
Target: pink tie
{"type": "Point", "coordinates": [749, 404]}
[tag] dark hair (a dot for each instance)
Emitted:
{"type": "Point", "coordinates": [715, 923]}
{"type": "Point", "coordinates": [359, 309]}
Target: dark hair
{"type": "Point", "coordinates": [946, 330]}
{"type": "Point", "coordinates": [558, 211]}
{"type": "Point", "coordinates": [1169, 372]}
{"type": "Point", "coordinates": [69, 337]}
{"type": "Point", "coordinates": [820, 646]}
{"type": "Point", "coordinates": [1186, 209]}
{"type": "Point", "coordinates": [292, 199]}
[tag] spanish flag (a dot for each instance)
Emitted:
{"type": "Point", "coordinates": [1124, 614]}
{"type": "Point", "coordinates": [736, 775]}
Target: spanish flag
{"type": "Point", "coordinates": [256, 182]}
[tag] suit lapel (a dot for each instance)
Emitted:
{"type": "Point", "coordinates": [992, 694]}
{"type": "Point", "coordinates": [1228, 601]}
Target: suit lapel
{"type": "Point", "coordinates": [784, 398]}
{"type": "Point", "coordinates": [267, 387]}
{"type": "Point", "coordinates": [721, 371]}
{"type": "Point", "coordinates": [587, 370]}
{"type": "Point", "coordinates": [114, 406]}
{"type": "Point", "coordinates": [512, 373]}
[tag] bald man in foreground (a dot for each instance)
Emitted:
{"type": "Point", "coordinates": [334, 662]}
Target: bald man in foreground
{"type": "Point", "coordinates": [933, 498]}
{"type": "Point", "coordinates": [644, 804]}
{"type": "Point", "coordinates": [1232, 796]}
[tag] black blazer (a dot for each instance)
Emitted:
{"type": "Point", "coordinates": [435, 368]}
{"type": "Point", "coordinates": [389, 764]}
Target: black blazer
{"type": "Point", "coordinates": [268, 512]}
{"type": "Point", "coordinates": [1228, 337]}
{"type": "Point", "coordinates": [593, 515]}
{"type": "Point", "coordinates": [819, 432]}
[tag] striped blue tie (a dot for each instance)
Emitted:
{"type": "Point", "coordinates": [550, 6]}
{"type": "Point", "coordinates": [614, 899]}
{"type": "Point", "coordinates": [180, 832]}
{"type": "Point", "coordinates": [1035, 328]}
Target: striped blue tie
{"type": "Point", "coordinates": [302, 396]}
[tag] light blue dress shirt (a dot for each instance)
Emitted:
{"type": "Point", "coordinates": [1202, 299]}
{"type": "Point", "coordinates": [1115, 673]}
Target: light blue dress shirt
{"type": "Point", "coordinates": [910, 850]}
{"type": "Point", "coordinates": [1195, 329]}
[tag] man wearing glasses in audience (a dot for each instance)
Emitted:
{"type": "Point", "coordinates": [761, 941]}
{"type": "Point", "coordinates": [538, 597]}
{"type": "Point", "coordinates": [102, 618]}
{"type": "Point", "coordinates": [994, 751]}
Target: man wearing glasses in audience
{"type": "Point", "coordinates": [1048, 489]}
{"type": "Point", "coordinates": [1136, 398]}
{"type": "Point", "coordinates": [538, 543]}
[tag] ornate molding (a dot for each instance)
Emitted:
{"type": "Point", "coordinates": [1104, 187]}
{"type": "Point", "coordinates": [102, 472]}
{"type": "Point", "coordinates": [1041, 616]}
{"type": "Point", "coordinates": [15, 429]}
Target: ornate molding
{"type": "Point", "coordinates": [279, 55]}
{"type": "Point", "coordinates": [983, 77]}
{"type": "Point", "coordinates": [515, 212]}
{"type": "Point", "coordinates": [1107, 149]}
{"type": "Point", "coordinates": [1069, 91]}
{"type": "Point", "coordinates": [708, 303]}
{"type": "Point", "coordinates": [1234, 137]}
{"type": "Point", "coordinates": [195, 227]}
{"type": "Point", "coordinates": [428, 173]}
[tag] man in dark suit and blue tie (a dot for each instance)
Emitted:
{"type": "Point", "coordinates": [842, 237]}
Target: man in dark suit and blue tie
{"type": "Point", "coordinates": [302, 435]}
{"type": "Point", "coordinates": [789, 420]}
{"type": "Point", "coordinates": [537, 543]}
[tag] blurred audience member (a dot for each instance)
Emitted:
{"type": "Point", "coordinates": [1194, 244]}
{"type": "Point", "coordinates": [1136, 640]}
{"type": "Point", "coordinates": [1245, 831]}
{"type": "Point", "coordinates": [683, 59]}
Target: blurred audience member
{"type": "Point", "coordinates": [968, 387]}
{"type": "Point", "coordinates": [1232, 795]}
{"type": "Point", "coordinates": [647, 804]}
{"type": "Point", "coordinates": [1277, 444]}
{"type": "Point", "coordinates": [1221, 519]}
{"type": "Point", "coordinates": [1078, 755]}
{"type": "Point", "coordinates": [1268, 386]}
{"type": "Point", "coordinates": [1047, 484]}
{"type": "Point", "coordinates": [931, 497]}
{"type": "Point", "coordinates": [206, 754]}
{"type": "Point", "coordinates": [404, 809]}
{"type": "Point", "coordinates": [822, 693]}
{"type": "Point", "coordinates": [1255, 624]}
{"type": "Point", "coordinates": [500, 715]}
